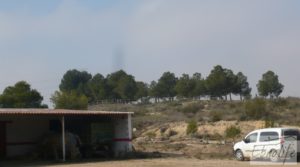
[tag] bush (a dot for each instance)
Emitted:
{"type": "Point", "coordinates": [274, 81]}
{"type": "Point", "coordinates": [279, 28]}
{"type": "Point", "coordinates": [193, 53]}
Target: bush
{"type": "Point", "coordinates": [163, 129]}
{"type": "Point", "coordinates": [174, 104]}
{"type": "Point", "coordinates": [256, 108]}
{"type": "Point", "coordinates": [269, 123]}
{"type": "Point", "coordinates": [232, 132]}
{"type": "Point", "coordinates": [280, 102]}
{"type": "Point", "coordinates": [151, 134]}
{"type": "Point", "coordinates": [69, 100]}
{"type": "Point", "coordinates": [243, 117]}
{"type": "Point", "coordinates": [215, 116]}
{"type": "Point", "coordinates": [172, 133]}
{"type": "Point", "coordinates": [232, 105]}
{"type": "Point", "coordinates": [192, 127]}
{"type": "Point", "coordinates": [192, 108]}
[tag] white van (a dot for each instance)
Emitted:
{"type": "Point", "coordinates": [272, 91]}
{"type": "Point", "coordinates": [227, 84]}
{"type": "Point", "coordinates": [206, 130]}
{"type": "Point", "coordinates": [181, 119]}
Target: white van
{"type": "Point", "coordinates": [270, 143]}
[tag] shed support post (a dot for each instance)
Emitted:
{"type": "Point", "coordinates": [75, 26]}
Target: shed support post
{"type": "Point", "coordinates": [63, 138]}
{"type": "Point", "coordinates": [129, 132]}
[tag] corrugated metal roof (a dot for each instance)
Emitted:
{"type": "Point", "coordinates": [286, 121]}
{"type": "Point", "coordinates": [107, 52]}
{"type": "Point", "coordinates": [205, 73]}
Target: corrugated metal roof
{"type": "Point", "coordinates": [15, 111]}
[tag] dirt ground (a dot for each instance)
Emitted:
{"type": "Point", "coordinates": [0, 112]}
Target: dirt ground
{"type": "Point", "coordinates": [169, 162]}
{"type": "Point", "coordinates": [161, 162]}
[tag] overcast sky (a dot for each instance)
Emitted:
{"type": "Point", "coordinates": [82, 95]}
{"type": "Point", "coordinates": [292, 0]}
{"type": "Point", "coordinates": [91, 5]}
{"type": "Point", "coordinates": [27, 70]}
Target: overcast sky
{"type": "Point", "coordinates": [41, 40]}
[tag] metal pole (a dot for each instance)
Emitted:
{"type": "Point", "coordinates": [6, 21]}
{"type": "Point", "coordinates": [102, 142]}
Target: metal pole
{"type": "Point", "coordinates": [63, 138]}
{"type": "Point", "coordinates": [129, 132]}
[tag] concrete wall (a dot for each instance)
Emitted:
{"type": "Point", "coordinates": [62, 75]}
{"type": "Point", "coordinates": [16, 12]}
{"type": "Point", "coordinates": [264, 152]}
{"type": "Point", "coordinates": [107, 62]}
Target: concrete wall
{"type": "Point", "coordinates": [22, 135]}
{"type": "Point", "coordinates": [123, 136]}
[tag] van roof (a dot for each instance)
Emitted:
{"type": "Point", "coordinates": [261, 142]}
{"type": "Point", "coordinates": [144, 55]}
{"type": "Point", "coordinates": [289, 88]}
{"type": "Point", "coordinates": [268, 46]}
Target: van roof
{"type": "Point", "coordinates": [275, 129]}
{"type": "Point", "coordinates": [278, 128]}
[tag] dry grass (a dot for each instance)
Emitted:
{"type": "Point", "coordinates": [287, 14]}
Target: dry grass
{"type": "Point", "coordinates": [203, 128]}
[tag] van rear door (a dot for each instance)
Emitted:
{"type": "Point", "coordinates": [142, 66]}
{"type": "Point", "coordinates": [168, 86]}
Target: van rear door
{"type": "Point", "coordinates": [291, 135]}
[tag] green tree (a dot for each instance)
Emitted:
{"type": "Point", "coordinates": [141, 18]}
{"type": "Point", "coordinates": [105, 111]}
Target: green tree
{"type": "Point", "coordinates": [121, 85]}
{"type": "Point", "coordinates": [69, 100]}
{"type": "Point", "coordinates": [242, 86]}
{"type": "Point", "coordinates": [98, 89]}
{"type": "Point", "coordinates": [231, 82]}
{"type": "Point", "coordinates": [200, 87]}
{"type": "Point", "coordinates": [165, 86]}
{"type": "Point", "coordinates": [74, 80]}
{"type": "Point", "coordinates": [21, 96]}
{"type": "Point", "coordinates": [126, 87]}
{"type": "Point", "coordinates": [185, 86]}
{"type": "Point", "coordinates": [153, 91]}
{"type": "Point", "coordinates": [216, 82]}
{"type": "Point", "coordinates": [269, 85]}
{"type": "Point", "coordinates": [142, 90]}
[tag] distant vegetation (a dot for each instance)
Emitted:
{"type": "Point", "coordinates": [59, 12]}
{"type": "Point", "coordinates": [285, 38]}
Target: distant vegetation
{"type": "Point", "coordinates": [78, 89]}
{"type": "Point", "coordinates": [119, 86]}
{"type": "Point", "coordinates": [21, 96]}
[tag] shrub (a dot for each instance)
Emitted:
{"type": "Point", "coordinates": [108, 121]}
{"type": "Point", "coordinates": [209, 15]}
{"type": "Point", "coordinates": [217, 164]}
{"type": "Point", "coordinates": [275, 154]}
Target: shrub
{"type": "Point", "coordinates": [163, 129]}
{"type": "Point", "coordinates": [243, 117]}
{"type": "Point", "coordinates": [151, 134]}
{"type": "Point", "coordinates": [232, 105]}
{"type": "Point", "coordinates": [192, 108]}
{"type": "Point", "coordinates": [192, 127]}
{"type": "Point", "coordinates": [269, 123]}
{"type": "Point", "coordinates": [280, 102]}
{"type": "Point", "coordinates": [69, 100]}
{"type": "Point", "coordinates": [172, 133]}
{"type": "Point", "coordinates": [174, 104]}
{"type": "Point", "coordinates": [232, 132]}
{"type": "Point", "coordinates": [215, 116]}
{"type": "Point", "coordinates": [256, 108]}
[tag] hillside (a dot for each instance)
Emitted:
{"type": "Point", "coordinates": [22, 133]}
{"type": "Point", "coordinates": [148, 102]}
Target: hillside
{"type": "Point", "coordinates": [161, 127]}
{"type": "Point", "coordinates": [281, 111]}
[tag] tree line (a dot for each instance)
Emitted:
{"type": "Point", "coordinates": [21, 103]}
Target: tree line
{"type": "Point", "coordinates": [79, 88]}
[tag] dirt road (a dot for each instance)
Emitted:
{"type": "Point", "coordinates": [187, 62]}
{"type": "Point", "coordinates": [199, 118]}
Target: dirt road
{"type": "Point", "coordinates": [166, 162]}
{"type": "Point", "coordinates": [160, 162]}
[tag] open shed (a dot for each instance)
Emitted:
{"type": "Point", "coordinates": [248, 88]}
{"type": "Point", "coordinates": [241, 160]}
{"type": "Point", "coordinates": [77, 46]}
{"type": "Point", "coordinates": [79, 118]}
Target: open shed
{"type": "Point", "coordinates": [22, 129]}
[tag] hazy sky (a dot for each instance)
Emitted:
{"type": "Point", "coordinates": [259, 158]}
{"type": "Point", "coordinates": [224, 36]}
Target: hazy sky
{"type": "Point", "coordinates": [41, 40]}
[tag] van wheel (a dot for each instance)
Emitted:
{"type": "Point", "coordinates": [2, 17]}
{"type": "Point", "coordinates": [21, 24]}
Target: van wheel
{"type": "Point", "coordinates": [274, 157]}
{"type": "Point", "coordinates": [239, 155]}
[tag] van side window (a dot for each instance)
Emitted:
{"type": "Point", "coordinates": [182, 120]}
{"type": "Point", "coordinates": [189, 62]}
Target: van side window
{"type": "Point", "coordinates": [291, 134]}
{"type": "Point", "coordinates": [268, 136]}
{"type": "Point", "coordinates": [252, 138]}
